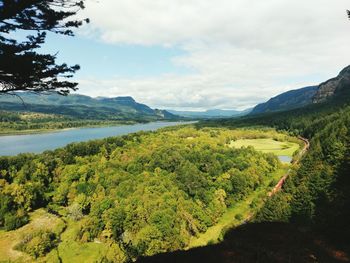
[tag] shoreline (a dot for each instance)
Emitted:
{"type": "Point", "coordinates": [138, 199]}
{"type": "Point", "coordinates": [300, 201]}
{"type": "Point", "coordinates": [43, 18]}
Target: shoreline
{"type": "Point", "coordinates": [34, 144]}
{"type": "Point", "coordinates": [41, 131]}
{"type": "Point", "coordinates": [30, 132]}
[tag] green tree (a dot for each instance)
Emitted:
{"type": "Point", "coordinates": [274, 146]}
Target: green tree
{"type": "Point", "coordinates": [38, 244]}
{"type": "Point", "coordinates": [302, 205]}
{"type": "Point", "coordinates": [14, 221]}
{"type": "Point", "coordinates": [276, 209]}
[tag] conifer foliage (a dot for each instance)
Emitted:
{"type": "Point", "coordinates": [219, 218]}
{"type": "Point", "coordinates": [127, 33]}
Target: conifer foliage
{"type": "Point", "coordinates": [22, 67]}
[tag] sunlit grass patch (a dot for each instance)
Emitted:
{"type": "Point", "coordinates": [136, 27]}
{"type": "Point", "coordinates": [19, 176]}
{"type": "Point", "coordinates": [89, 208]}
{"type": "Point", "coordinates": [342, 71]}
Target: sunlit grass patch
{"type": "Point", "coordinates": [71, 250]}
{"type": "Point", "coordinates": [279, 148]}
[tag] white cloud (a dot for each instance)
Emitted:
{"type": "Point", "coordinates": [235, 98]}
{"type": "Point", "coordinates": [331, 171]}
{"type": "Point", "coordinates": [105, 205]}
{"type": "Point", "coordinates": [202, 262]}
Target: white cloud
{"type": "Point", "coordinates": [241, 51]}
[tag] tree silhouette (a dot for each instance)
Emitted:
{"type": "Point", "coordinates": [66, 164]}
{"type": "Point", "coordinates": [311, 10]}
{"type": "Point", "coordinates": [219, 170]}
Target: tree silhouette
{"type": "Point", "coordinates": [22, 68]}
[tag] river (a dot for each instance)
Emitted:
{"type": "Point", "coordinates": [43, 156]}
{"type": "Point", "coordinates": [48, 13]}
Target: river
{"type": "Point", "coordinates": [11, 145]}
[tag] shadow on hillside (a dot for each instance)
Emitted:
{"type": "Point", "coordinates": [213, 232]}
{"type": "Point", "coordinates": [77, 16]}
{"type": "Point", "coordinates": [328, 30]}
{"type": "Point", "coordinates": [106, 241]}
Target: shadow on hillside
{"type": "Point", "coordinates": [259, 243]}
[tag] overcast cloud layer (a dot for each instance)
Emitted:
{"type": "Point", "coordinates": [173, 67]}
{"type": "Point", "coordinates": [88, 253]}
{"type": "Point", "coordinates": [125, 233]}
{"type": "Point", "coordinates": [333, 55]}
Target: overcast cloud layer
{"type": "Point", "coordinates": [240, 52]}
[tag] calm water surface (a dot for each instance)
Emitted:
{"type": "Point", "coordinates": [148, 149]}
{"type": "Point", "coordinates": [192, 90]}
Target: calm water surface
{"type": "Point", "coordinates": [36, 143]}
{"type": "Point", "coordinates": [285, 158]}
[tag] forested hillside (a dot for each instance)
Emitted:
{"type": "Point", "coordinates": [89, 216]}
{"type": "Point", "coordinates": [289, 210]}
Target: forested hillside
{"type": "Point", "coordinates": [316, 193]}
{"type": "Point", "coordinates": [27, 122]}
{"type": "Point", "coordinates": [308, 221]}
{"type": "Point", "coordinates": [289, 100]}
{"type": "Point", "coordinates": [294, 99]}
{"type": "Point", "coordinates": [83, 107]}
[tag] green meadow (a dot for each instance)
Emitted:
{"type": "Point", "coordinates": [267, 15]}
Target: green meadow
{"type": "Point", "coordinates": [268, 145]}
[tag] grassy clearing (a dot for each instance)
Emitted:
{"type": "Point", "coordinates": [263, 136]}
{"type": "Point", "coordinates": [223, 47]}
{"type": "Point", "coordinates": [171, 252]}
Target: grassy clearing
{"type": "Point", "coordinates": [70, 250]}
{"type": "Point", "coordinates": [268, 146]}
{"type": "Point", "coordinates": [242, 208]}
{"type": "Point", "coordinates": [39, 220]}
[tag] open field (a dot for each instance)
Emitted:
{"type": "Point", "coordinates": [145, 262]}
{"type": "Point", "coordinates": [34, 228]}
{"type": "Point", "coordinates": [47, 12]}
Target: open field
{"type": "Point", "coordinates": [268, 146]}
{"type": "Point", "coordinates": [70, 250]}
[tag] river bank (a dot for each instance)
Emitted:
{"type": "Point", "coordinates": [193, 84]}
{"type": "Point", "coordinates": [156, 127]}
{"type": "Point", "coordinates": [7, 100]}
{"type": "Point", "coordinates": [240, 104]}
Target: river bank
{"type": "Point", "coordinates": [10, 132]}
{"type": "Point", "coordinates": [11, 145]}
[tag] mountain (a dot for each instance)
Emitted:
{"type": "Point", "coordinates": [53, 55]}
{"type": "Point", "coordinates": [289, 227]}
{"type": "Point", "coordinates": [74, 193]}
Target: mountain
{"type": "Point", "coordinates": [84, 107]}
{"type": "Point", "coordinates": [308, 95]}
{"type": "Point", "coordinates": [288, 100]}
{"type": "Point", "coordinates": [333, 86]}
{"type": "Point", "coordinates": [214, 113]}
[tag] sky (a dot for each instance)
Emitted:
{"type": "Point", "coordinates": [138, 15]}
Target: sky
{"type": "Point", "coordinates": [204, 54]}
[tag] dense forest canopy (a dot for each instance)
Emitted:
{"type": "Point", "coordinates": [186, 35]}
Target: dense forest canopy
{"type": "Point", "coordinates": [145, 193]}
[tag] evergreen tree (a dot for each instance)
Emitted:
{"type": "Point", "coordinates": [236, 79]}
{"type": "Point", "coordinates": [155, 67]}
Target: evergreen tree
{"type": "Point", "coordinates": [21, 66]}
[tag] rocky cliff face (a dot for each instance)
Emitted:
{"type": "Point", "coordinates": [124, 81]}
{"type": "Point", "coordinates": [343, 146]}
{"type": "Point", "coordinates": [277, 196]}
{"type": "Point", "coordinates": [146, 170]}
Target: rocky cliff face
{"type": "Point", "coordinates": [333, 86]}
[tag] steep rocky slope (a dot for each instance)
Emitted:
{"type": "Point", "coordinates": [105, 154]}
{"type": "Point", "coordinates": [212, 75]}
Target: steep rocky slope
{"type": "Point", "coordinates": [333, 86]}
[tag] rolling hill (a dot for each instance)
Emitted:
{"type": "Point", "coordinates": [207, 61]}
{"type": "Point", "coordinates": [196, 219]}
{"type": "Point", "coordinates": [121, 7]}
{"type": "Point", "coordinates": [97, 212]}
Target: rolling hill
{"type": "Point", "coordinates": [301, 97]}
{"type": "Point", "coordinates": [84, 107]}
{"type": "Point", "coordinates": [288, 100]}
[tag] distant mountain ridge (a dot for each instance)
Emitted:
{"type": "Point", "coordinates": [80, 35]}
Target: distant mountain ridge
{"type": "Point", "coordinates": [213, 113]}
{"type": "Point", "coordinates": [302, 97]}
{"type": "Point", "coordinates": [288, 100]}
{"type": "Point", "coordinates": [84, 107]}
